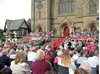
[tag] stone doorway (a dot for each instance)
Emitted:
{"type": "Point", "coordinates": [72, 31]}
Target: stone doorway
{"type": "Point", "coordinates": [39, 28]}
{"type": "Point", "coordinates": [93, 28]}
{"type": "Point", "coordinates": [64, 28]}
{"type": "Point", "coordinates": [66, 31]}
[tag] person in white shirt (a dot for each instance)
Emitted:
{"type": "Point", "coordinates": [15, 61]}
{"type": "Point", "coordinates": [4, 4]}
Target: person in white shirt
{"type": "Point", "coordinates": [81, 58]}
{"type": "Point", "coordinates": [73, 43]}
{"type": "Point", "coordinates": [66, 45]}
{"type": "Point", "coordinates": [75, 55]}
{"type": "Point", "coordinates": [94, 61]}
{"type": "Point", "coordinates": [31, 56]}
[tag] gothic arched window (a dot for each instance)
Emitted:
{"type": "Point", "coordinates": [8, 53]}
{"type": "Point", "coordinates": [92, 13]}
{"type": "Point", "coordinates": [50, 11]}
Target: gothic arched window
{"type": "Point", "coordinates": [92, 7]}
{"type": "Point", "coordinates": [66, 6]}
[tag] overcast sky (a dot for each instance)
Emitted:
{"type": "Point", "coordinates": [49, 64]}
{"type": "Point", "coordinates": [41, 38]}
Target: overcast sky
{"type": "Point", "coordinates": [14, 9]}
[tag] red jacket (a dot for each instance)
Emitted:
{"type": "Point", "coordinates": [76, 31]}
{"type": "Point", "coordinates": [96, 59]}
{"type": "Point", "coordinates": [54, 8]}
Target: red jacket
{"type": "Point", "coordinates": [40, 67]}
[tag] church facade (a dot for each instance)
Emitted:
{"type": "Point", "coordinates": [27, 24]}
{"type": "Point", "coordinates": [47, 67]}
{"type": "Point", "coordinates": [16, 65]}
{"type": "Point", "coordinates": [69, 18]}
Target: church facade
{"type": "Point", "coordinates": [61, 15]}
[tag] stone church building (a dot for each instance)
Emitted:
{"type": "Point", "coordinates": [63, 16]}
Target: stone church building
{"type": "Point", "coordinates": [64, 15]}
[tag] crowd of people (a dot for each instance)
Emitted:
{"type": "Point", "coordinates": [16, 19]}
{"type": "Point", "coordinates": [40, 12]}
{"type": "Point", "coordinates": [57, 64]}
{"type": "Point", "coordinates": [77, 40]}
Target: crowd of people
{"type": "Point", "coordinates": [73, 56]}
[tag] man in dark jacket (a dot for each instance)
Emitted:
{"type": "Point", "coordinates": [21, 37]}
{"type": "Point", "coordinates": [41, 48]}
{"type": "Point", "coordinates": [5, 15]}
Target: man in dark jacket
{"type": "Point", "coordinates": [4, 59]}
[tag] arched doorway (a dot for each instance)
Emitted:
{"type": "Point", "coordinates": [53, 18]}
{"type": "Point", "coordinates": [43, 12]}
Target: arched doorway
{"type": "Point", "coordinates": [93, 28]}
{"type": "Point", "coordinates": [78, 30]}
{"type": "Point", "coordinates": [66, 31]}
{"type": "Point", "coordinates": [40, 29]}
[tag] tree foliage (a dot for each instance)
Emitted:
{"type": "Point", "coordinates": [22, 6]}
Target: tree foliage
{"type": "Point", "coordinates": [2, 37]}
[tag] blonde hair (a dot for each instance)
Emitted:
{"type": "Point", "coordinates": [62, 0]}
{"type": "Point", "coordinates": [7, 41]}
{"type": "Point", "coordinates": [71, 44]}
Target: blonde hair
{"type": "Point", "coordinates": [12, 51]}
{"type": "Point", "coordinates": [4, 51]}
{"type": "Point", "coordinates": [40, 54]}
{"type": "Point", "coordinates": [20, 57]}
{"type": "Point", "coordinates": [65, 58]}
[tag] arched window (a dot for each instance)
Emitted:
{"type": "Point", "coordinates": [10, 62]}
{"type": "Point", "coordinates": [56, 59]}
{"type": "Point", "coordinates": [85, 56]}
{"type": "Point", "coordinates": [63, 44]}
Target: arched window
{"type": "Point", "coordinates": [66, 6]}
{"type": "Point", "coordinates": [92, 7]}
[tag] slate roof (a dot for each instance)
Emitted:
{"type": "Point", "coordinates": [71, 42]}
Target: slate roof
{"type": "Point", "coordinates": [14, 24]}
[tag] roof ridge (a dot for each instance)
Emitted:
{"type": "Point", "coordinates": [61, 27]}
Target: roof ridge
{"type": "Point", "coordinates": [15, 19]}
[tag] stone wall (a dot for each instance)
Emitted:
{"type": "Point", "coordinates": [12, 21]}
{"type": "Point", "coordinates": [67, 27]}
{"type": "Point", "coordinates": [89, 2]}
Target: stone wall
{"type": "Point", "coordinates": [50, 19]}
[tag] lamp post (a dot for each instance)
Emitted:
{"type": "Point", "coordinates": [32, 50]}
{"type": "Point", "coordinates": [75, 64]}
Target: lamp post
{"type": "Point", "coordinates": [97, 15]}
{"type": "Point", "coordinates": [73, 27]}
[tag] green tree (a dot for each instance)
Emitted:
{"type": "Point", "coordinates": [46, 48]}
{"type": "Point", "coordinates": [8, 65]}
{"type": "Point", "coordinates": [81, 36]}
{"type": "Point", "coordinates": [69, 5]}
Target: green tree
{"type": "Point", "coordinates": [2, 37]}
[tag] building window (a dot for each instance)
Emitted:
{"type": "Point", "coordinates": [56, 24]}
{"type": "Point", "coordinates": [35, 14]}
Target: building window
{"type": "Point", "coordinates": [92, 7]}
{"type": "Point", "coordinates": [66, 6]}
{"type": "Point", "coordinates": [20, 32]}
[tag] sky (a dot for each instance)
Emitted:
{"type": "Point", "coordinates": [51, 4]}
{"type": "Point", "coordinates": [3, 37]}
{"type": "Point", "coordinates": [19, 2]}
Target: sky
{"type": "Point", "coordinates": [14, 9]}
